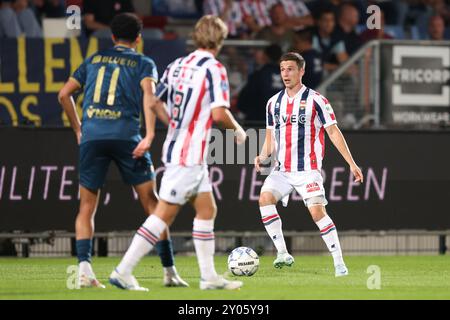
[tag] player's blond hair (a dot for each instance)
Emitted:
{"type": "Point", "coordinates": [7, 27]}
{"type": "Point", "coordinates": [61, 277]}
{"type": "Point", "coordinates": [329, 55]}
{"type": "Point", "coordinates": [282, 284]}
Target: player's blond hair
{"type": "Point", "coordinates": [209, 32]}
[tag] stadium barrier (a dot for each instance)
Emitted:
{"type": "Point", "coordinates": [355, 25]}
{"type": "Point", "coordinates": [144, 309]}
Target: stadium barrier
{"type": "Point", "coordinates": [114, 244]}
{"type": "Point", "coordinates": [403, 171]}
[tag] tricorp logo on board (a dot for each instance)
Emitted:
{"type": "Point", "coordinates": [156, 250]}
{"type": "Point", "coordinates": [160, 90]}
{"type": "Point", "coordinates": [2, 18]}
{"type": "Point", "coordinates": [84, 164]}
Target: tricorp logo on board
{"type": "Point", "coordinates": [421, 76]}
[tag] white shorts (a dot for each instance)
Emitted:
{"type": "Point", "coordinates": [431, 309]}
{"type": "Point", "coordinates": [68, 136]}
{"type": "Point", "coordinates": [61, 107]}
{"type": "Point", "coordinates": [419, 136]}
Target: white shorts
{"type": "Point", "coordinates": [179, 184]}
{"type": "Point", "coordinates": [308, 184]}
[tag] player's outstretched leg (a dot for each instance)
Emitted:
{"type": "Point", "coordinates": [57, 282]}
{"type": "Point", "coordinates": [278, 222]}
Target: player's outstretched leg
{"type": "Point", "coordinates": [272, 223]}
{"type": "Point", "coordinates": [204, 243]}
{"type": "Point", "coordinates": [330, 237]}
{"type": "Point", "coordinates": [149, 201]}
{"type": "Point", "coordinates": [84, 226]}
{"type": "Point", "coordinates": [145, 239]}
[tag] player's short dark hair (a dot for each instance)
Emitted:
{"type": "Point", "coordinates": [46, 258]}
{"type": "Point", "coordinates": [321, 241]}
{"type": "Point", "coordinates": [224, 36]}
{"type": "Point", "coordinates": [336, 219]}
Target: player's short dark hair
{"type": "Point", "coordinates": [126, 27]}
{"type": "Point", "coordinates": [294, 56]}
{"type": "Point", "coordinates": [273, 52]}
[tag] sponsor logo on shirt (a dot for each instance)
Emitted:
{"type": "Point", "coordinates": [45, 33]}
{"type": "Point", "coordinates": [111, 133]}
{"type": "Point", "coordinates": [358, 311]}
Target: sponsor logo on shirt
{"type": "Point", "coordinates": [103, 113]}
{"type": "Point", "coordinates": [293, 118]}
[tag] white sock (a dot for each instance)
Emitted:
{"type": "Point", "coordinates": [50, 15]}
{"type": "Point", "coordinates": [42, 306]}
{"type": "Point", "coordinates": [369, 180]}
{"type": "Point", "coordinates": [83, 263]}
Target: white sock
{"type": "Point", "coordinates": [330, 237]}
{"type": "Point", "coordinates": [272, 223]}
{"type": "Point", "coordinates": [86, 268]}
{"type": "Point", "coordinates": [144, 240]}
{"type": "Point", "coordinates": [204, 243]}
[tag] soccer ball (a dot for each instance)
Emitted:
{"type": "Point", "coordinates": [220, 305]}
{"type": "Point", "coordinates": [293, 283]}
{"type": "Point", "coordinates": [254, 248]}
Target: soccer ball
{"type": "Point", "coordinates": [243, 261]}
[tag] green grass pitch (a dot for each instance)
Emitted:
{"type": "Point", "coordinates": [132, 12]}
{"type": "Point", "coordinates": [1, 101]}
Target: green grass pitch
{"type": "Point", "coordinates": [311, 277]}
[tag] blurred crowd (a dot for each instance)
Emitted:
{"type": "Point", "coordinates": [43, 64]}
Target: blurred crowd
{"type": "Point", "coordinates": [275, 20]}
{"type": "Point", "coordinates": [325, 32]}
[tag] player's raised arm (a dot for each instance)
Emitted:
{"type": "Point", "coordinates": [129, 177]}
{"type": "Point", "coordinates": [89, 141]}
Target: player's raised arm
{"type": "Point", "coordinates": [223, 118]}
{"type": "Point", "coordinates": [66, 100]}
{"type": "Point", "coordinates": [338, 140]}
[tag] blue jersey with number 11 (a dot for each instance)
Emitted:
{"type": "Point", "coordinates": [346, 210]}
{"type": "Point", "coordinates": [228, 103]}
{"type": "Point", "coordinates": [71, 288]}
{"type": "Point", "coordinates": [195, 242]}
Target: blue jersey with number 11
{"type": "Point", "coordinates": [112, 101]}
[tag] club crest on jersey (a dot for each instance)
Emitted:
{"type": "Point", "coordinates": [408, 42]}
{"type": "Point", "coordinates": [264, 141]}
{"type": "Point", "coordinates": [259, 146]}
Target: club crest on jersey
{"type": "Point", "coordinates": [224, 85]}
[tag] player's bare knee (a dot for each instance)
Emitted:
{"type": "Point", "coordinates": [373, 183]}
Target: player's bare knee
{"type": "Point", "coordinates": [206, 212]}
{"type": "Point", "coordinates": [317, 215]}
{"type": "Point", "coordinates": [88, 206]}
{"type": "Point", "coordinates": [213, 211]}
{"type": "Point", "coordinates": [266, 199]}
{"type": "Point", "coordinates": [85, 216]}
{"type": "Point", "coordinates": [210, 213]}
{"type": "Point", "coordinates": [87, 210]}
{"type": "Point", "coordinates": [316, 206]}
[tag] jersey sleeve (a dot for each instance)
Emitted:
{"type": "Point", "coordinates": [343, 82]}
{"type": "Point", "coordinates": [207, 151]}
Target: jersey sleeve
{"type": "Point", "coordinates": [324, 110]}
{"type": "Point", "coordinates": [80, 74]}
{"type": "Point", "coordinates": [269, 115]}
{"type": "Point", "coordinates": [218, 87]}
{"type": "Point", "coordinates": [148, 70]}
{"type": "Point", "coordinates": [163, 85]}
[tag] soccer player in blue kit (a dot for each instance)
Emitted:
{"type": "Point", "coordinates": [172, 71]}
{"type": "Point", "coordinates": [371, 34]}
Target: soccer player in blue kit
{"type": "Point", "coordinates": [116, 83]}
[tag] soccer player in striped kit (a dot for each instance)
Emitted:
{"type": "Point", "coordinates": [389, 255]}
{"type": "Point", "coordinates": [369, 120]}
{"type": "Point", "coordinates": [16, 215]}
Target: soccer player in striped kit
{"type": "Point", "coordinates": [297, 118]}
{"type": "Point", "coordinates": [196, 90]}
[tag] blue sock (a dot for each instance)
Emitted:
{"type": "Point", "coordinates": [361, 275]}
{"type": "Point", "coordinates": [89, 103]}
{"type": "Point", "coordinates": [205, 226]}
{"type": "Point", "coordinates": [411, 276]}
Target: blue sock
{"type": "Point", "coordinates": [84, 249]}
{"type": "Point", "coordinates": [165, 252]}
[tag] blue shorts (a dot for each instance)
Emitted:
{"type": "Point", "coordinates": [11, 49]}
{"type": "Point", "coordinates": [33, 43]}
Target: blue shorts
{"type": "Point", "coordinates": [96, 155]}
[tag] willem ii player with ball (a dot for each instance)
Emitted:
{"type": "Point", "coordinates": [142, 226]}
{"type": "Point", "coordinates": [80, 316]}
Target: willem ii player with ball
{"type": "Point", "coordinates": [296, 120]}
